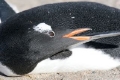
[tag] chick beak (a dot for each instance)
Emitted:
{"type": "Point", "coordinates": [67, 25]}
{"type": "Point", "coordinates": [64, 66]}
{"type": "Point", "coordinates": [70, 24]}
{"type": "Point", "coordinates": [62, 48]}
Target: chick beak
{"type": "Point", "coordinates": [78, 31]}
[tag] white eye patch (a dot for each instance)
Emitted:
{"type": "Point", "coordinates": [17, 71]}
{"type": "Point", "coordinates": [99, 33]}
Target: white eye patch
{"type": "Point", "coordinates": [44, 28]}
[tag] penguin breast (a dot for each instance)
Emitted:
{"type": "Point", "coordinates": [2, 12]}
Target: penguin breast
{"type": "Point", "coordinates": [82, 58]}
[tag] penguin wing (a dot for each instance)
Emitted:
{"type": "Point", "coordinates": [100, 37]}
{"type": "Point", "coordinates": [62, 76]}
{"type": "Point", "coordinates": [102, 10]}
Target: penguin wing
{"type": "Point", "coordinates": [5, 10]}
{"type": "Point", "coordinates": [61, 55]}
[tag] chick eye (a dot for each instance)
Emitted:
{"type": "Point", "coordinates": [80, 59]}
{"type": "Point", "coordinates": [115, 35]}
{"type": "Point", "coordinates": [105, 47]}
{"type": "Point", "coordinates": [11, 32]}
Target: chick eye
{"type": "Point", "coordinates": [51, 33]}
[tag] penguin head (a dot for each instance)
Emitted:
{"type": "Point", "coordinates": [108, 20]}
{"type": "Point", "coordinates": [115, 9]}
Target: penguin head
{"type": "Point", "coordinates": [29, 34]}
{"type": "Point", "coordinates": [24, 41]}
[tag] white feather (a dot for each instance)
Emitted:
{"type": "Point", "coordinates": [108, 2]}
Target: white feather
{"type": "Point", "coordinates": [5, 70]}
{"type": "Point", "coordinates": [42, 27]}
{"type": "Point", "coordinates": [81, 59]}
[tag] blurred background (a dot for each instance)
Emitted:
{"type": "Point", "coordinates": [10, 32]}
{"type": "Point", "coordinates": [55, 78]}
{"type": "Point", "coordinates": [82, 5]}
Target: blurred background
{"type": "Point", "coordinates": [26, 4]}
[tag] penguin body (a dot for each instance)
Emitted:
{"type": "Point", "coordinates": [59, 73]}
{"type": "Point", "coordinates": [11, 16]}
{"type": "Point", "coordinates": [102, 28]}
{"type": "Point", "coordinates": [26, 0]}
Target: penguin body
{"type": "Point", "coordinates": [32, 41]}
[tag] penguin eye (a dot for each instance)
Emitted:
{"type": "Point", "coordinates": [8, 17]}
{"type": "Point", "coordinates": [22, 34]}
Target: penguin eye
{"type": "Point", "coordinates": [51, 33]}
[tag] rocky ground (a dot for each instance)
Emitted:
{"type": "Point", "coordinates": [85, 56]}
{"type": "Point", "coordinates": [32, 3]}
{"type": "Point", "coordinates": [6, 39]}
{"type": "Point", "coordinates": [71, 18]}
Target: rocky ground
{"type": "Point", "coordinates": [113, 74]}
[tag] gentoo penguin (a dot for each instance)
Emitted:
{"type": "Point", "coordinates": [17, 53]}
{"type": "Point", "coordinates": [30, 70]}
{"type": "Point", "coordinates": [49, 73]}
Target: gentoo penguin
{"type": "Point", "coordinates": [48, 39]}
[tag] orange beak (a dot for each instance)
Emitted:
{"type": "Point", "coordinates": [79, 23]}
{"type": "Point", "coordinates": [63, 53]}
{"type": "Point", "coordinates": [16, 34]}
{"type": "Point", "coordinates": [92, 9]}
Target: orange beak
{"type": "Point", "coordinates": [77, 31]}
